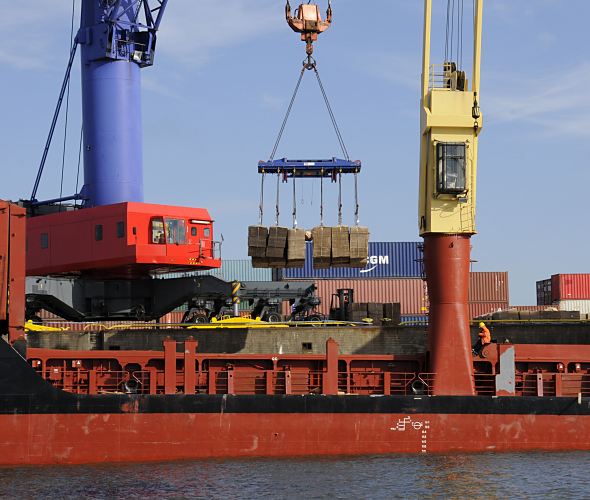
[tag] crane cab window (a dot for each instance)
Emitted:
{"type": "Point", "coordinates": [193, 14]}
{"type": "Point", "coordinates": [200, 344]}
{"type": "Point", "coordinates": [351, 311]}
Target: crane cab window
{"type": "Point", "coordinates": [157, 236]}
{"type": "Point", "coordinates": [450, 159]}
{"type": "Point", "coordinates": [175, 231]}
{"type": "Point", "coordinates": [193, 231]}
{"type": "Point", "coordinates": [44, 240]}
{"type": "Point", "coordinates": [207, 232]}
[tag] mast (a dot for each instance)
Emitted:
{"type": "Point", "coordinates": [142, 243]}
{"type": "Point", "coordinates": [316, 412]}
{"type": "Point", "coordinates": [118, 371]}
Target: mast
{"type": "Point", "coordinates": [117, 38]}
{"type": "Point", "coordinates": [450, 124]}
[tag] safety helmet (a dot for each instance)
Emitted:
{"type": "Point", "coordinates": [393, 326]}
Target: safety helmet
{"type": "Point", "coordinates": [482, 324]}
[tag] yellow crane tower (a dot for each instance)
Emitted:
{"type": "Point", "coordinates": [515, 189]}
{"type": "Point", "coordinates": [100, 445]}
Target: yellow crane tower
{"type": "Point", "coordinates": [450, 122]}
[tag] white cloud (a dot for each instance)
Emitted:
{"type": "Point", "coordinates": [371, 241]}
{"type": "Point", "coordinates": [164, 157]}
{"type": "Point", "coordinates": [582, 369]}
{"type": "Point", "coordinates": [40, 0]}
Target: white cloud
{"type": "Point", "coordinates": [31, 32]}
{"type": "Point", "coordinates": [555, 101]}
{"type": "Point", "coordinates": [191, 31]}
{"type": "Point", "coordinates": [156, 85]}
{"type": "Point", "coordinates": [34, 32]}
{"type": "Point", "coordinates": [399, 68]}
{"type": "Point", "coordinates": [272, 101]}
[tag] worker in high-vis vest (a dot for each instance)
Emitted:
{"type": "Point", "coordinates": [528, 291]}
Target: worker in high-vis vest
{"type": "Point", "coordinates": [485, 337]}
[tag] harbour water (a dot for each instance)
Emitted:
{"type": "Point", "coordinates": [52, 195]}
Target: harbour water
{"type": "Point", "coordinates": [510, 475]}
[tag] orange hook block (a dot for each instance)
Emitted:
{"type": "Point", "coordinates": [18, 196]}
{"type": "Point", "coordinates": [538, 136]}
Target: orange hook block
{"type": "Point", "coordinates": [307, 20]}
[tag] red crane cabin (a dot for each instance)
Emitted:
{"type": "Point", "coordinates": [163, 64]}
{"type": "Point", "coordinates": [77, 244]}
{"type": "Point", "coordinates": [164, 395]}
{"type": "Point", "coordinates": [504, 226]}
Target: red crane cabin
{"type": "Point", "coordinates": [124, 239]}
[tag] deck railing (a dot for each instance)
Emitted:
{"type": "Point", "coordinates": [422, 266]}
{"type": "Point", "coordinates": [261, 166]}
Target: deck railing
{"type": "Point", "coordinates": [298, 382]}
{"type": "Point", "coordinates": [172, 372]}
{"type": "Point", "coordinates": [240, 382]}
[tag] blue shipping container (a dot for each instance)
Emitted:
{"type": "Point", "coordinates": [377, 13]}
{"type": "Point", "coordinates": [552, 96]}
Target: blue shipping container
{"type": "Point", "coordinates": [414, 319]}
{"type": "Point", "coordinates": [386, 260]}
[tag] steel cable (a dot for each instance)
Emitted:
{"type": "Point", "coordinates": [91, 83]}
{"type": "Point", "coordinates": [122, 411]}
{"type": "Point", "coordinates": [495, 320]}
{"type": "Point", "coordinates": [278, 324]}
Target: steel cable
{"type": "Point", "coordinates": [261, 204]}
{"type": "Point", "coordinates": [322, 199]}
{"type": "Point", "coordinates": [462, 7]}
{"type": "Point", "coordinates": [281, 130]}
{"type": "Point", "coordinates": [447, 32]}
{"type": "Point", "coordinates": [356, 199]}
{"type": "Point", "coordinates": [63, 154]}
{"type": "Point", "coordinates": [340, 199]}
{"type": "Point", "coordinates": [79, 161]}
{"type": "Point", "coordinates": [332, 117]}
{"type": "Point", "coordinates": [278, 193]}
{"type": "Point", "coordinates": [294, 203]}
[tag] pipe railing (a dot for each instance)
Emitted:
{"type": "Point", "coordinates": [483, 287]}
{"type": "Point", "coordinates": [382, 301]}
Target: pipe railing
{"type": "Point", "coordinates": [241, 381]}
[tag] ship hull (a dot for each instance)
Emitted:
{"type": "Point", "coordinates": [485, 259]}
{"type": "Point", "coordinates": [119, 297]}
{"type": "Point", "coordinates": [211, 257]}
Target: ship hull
{"type": "Point", "coordinates": [146, 428]}
{"type": "Point", "coordinates": [40, 424]}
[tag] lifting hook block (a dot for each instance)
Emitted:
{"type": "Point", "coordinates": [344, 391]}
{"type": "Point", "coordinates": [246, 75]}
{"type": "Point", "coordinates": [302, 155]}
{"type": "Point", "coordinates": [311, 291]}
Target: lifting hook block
{"type": "Point", "coordinates": [307, 20]}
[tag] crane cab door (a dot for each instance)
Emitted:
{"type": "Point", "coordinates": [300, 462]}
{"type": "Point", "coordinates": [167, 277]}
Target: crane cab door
{"type": "Point", "coordinates": [201, 237]}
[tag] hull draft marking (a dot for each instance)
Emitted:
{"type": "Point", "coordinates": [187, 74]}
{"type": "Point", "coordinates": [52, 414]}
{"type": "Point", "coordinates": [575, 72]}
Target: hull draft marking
{"type": "Point", "coordinates": [420, 427]}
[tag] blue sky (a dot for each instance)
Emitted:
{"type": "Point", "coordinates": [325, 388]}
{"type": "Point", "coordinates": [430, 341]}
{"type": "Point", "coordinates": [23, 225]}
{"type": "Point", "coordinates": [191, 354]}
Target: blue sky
{"type": "Point", "coordinates": [224, 73]}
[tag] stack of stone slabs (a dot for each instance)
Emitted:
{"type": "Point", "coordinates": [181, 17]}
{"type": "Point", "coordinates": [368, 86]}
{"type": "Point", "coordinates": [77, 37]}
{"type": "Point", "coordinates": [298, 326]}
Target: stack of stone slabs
{"type": "Point", "coordinates": [322, 247]}
{"type": "Point", "coordinates": [340, 247]}
{"type": "Point", "coordinates": [257, 238]}
{"type": "Point", "coordinates": [296, 248]}
{"type": "Point", "coordinates": [276, 248]}
{"type": "Point", "coordinates": [359, 246]}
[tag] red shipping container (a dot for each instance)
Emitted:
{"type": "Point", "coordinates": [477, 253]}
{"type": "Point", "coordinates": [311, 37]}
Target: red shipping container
{"type": "Point", "coordinates": [488, 287]}
{"type": "Point", "coordinates": [570, 286]}
{"type": "Point", "coordinates": [409, 292]}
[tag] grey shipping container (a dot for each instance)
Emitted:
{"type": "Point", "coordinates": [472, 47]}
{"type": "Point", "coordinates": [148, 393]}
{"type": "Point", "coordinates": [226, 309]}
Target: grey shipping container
{"type": "Point", "coordinates": [544, 292]}
{"type": "Point", "coordinates": [231, 270]}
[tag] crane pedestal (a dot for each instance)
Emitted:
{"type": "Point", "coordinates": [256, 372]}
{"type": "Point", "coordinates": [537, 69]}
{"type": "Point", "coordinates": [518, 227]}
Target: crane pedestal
{"type": "Point", "coordinates": [446, 258]}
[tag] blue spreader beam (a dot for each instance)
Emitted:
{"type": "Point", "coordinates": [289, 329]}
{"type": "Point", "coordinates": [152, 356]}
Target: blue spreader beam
{"type": "Point", "coordinates": [309, 168]}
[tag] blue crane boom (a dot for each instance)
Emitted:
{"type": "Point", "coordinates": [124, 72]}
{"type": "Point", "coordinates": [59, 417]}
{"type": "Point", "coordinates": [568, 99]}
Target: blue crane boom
{"type": "Point", "coordinates": [117, 38]}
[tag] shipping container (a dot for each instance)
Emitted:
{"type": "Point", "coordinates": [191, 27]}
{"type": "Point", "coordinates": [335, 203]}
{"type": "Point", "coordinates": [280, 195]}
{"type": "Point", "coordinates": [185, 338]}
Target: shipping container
{"type": "Point", "coordinates": [412, 293]}
{"type": "Point", "coordinates": [231, 270]}
{"type": "Point", "coordinates": [409, 292]}
{"type": "Point", "coordinates": [540, 307]}
{"type": "Point", "coordinates": [570, 286]}
{"type": "Point", "coordinates": [582, 305]}
{"type": "Point", "coordinates": [477, 309]}
{"type": "Point", "coordinates": [544, 292]}
{"type": "Point", "coordinates": [488, 287]}
{"type": "Point", "coordinates": [414, 319]}
{"type": "Point", "coordinates": [386, 260]}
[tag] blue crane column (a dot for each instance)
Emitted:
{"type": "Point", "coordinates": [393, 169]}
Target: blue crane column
{"type": "Point", "coordinates": [115, 46]}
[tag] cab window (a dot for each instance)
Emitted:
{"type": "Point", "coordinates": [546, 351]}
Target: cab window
{"type": "Point", "coordinates": [207, 232]}
{"type": "Point", "coordinates": [193, 231]}
{"type": "Point", "coordinates": [175, 231]}
{"type": "Point", "coordinates": [158, 231]}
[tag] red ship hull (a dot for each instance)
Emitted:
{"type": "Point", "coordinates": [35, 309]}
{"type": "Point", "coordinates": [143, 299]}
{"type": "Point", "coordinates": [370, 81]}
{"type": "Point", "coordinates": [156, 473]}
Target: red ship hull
{"type": "Point", "coordinates": [92, 438]}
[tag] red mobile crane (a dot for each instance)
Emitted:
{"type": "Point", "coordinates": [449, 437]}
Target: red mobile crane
{"type": "Point", "coordinates": [110, 247]}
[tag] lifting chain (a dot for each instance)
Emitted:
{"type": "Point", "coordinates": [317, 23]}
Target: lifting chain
{"type": "Point", "coordinates": [356, 200]}
{"type": "Point", "coordinates": [277, 213]}
{"type": "Point", "coordinates": [340, 199]}
{"type": "Point", "coordinates": [322, 199]}
{"type": "Point", "coordinates": [261, 204]}
{"type": "Point", "coordinates": [294, 204]}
